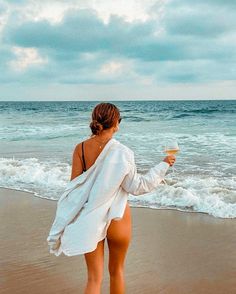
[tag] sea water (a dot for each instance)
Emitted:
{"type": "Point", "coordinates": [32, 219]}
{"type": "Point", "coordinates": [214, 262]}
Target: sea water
{"type": "Point", "coordinates": [38, 139]}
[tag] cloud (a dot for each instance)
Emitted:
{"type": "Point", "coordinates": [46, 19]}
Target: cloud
{"type": "Point", "coordinates": [226, 4]}
{"type": "Point", "coordinates": [25, 57]}
{"type": "Point", "coordinates": [200, 19]}
{"type": "Point", "coordinates": [177, 43]}
{"type": "Point", "coordinates": [80, 30]}
{"type": "Point", "coordinates": [111, 68]}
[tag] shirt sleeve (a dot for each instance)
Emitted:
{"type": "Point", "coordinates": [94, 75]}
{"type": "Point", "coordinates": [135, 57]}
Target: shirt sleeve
{"type": "Point", "coordinates": [137, 184]}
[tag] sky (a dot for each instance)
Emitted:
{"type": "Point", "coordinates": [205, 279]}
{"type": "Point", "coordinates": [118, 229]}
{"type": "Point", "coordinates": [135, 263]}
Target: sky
{"type": "Point", "coordinates": [117, 50]}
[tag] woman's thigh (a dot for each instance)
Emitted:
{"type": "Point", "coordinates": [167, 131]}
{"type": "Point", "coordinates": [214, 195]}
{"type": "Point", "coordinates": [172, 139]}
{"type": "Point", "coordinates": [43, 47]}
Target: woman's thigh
{"type": "Point", "coordinates": [118, 239]}
{"type": "Point", "coordinates": [95, 262]}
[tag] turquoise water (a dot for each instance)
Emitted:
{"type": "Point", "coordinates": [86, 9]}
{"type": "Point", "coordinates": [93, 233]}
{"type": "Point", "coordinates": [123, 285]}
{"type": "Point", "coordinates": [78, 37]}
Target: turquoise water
{"type": "Point", "coordinates": [38, 138]}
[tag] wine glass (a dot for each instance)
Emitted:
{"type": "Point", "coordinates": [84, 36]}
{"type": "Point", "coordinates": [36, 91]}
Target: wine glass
{"type": "Point", "coordinates": [171, 147]}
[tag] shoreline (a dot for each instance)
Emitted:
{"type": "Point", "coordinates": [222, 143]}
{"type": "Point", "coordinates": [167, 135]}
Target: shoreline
{"type": "Point", "coordinates": [148, 207]}
{"type": "Point", "coordinates": [171, 252]}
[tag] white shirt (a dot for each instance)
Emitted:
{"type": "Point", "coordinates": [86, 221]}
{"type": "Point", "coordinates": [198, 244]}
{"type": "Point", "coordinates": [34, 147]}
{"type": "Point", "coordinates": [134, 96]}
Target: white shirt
{"type": "Point", "coordinates": [92, 199]}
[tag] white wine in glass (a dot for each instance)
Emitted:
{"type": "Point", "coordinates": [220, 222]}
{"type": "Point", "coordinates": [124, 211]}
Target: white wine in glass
{"type": "Point", "coordinates": [171, 151]}
{"type": "Point", "coordinates": [171, 148]}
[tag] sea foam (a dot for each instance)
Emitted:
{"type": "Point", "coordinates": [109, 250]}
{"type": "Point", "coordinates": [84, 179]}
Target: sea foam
{"type": "Point", "coordinates": [215, 196]}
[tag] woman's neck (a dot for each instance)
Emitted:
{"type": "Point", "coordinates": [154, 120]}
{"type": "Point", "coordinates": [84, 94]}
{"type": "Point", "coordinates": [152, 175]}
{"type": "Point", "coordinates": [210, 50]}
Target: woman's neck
{"type": "Point", "coordinates": [103, 137]}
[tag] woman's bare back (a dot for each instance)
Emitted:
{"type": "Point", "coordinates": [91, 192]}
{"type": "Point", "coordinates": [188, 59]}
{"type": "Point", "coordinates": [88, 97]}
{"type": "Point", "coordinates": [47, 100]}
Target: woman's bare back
{"type": "Point", "coordinates": [91, 151]}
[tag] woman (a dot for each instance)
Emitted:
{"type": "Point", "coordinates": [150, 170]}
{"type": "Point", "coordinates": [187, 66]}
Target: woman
{"type": "Point", "coordinates": [105, 122]}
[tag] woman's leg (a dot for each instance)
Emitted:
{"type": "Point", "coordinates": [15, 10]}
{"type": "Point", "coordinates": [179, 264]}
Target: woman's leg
{"type": "Point", "coordinates": [118, 239]}
{"type": "Point", "coordinates": [95, 263]}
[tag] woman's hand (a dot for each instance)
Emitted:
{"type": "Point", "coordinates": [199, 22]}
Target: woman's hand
{"type": "Point", "coordinates": [170, 159]}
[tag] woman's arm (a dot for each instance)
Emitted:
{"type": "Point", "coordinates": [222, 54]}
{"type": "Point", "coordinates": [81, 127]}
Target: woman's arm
{"type": "Point", "coordinates": [137, 184]}
{"type": "Point", "coordinates": [77, 167]}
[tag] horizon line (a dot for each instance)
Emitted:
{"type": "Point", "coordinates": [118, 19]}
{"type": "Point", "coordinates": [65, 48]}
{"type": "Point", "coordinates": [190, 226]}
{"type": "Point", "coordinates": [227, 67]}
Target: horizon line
{"type": "Point", "coordinates": [231, 99]}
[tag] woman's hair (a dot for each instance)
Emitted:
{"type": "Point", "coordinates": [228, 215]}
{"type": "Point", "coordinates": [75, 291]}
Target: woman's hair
{"type": "Point", "coordinates": [104, 116]}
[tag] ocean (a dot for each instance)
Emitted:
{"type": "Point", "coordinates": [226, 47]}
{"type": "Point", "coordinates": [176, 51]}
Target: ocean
{"type": "Point", "coordinates": [38, 139]}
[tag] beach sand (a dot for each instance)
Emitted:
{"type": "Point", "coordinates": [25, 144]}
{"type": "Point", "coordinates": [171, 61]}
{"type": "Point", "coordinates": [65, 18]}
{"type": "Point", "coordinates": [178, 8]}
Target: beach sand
{"type": "Point", "coordinates": [170, 252]}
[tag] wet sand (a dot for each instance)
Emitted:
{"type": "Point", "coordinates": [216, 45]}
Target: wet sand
{"type": "Point", "coordinates": [170, 252]}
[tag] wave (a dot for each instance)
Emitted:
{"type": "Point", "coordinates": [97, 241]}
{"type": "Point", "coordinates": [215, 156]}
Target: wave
{"type": "Point", "coordinates": [194, 194]}
{"type": "Point", "coordinates": [181, 115]}
{"type": "Point", "coordinates": [39, 132]}
{"type": "Point", "coordinates": [47, 179]}
{"type": "Point", "coordinates": [135, 118]}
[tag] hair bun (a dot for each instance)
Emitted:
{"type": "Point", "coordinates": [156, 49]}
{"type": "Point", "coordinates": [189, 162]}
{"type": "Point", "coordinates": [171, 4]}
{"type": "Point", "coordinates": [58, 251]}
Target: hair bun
{"type": "Point", "coordinates": [104, 116]}
{"type": "Point", "coordinates": [96, 127]}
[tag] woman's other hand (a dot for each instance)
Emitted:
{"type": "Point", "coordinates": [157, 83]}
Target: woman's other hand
{"type": "Point", "coordinates": [170, 159]}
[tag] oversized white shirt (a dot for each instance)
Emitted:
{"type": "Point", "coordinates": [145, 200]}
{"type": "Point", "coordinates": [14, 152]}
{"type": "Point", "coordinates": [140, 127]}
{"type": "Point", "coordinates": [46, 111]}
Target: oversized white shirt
{"type": "Point", "coordinates": [91, 200]}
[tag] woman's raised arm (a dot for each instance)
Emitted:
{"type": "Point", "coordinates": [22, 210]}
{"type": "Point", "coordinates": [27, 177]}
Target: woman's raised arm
{"type": "Point", "coordinates": [137, 184]}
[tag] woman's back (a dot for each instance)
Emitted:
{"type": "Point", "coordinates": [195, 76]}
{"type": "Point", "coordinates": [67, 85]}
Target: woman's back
{"type": "Point", "coordinates": [85, 155]}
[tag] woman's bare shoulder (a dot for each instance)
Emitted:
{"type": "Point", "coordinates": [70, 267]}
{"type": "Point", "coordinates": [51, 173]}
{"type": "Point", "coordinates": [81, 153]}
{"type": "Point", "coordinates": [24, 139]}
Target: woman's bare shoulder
{"type": "Point", "coordinates": [78, 145]}
{"type": "Point", "coordinates": [78, 150]}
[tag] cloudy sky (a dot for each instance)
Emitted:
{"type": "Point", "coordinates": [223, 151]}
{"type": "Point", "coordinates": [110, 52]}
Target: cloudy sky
{"type": "Point", "coordinates": [117, 50]}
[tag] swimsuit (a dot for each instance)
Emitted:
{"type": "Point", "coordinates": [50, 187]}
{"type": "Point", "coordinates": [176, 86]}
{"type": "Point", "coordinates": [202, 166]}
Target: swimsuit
{"type": "Point", "coordinates": [84, 165]}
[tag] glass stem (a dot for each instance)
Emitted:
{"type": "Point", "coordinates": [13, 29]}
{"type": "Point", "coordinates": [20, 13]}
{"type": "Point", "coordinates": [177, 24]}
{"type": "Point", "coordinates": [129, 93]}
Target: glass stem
{"type": "Point", "coordinates": [173, 170]}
